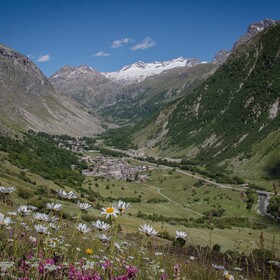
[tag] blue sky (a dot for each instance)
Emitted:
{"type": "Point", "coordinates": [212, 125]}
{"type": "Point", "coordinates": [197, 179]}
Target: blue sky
{"type": "Point", "coordinates": [109, 34]}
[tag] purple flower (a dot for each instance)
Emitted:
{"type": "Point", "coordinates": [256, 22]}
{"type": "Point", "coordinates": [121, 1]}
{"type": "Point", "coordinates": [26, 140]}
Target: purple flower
{"type": "Point", "coordinates": [107, 264]}
{"type": "Point", "coordinates": [163, 276]}
{"type": "Point", "coordinates": [132, 272]}
{"type": "Point", "coordinates": [122, 277]}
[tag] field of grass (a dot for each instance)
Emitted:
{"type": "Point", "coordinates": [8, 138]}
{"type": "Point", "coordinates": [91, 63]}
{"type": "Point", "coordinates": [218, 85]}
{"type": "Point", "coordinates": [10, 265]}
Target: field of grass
{"type": "Point", "coordinates": [188, 201]}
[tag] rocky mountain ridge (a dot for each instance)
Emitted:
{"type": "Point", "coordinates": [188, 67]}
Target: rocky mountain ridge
{"type": "Point", "coordinates": [253, 30]}
{"type": "Point", "coordinates": [85, 85]}
{"type": "Point", "coordinates": [29, 101]}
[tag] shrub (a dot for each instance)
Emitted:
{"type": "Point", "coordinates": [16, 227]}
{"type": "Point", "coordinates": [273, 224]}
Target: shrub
{"type": "Point", "coordinates": [24, 193]}
{"type": "Point", "coordinates": [216, 248]}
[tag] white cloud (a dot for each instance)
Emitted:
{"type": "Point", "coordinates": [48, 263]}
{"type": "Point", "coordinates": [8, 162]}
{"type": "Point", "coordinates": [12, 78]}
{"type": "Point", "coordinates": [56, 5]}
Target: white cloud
{"type": "Point", "coordinates": [101, 54]}
{"type": "Point", "coordinates": [44, 58]}
{"type": "Point", "coordinates": [145, 44]}
{"type": "Point", "coordinates": [119, 43]}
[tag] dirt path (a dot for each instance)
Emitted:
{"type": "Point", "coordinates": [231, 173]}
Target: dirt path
{"type": "Point", "coordinates": [172, 201]}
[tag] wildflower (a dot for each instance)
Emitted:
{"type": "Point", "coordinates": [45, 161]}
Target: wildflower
{"type": "Point", "coordinates": [24, 210]}
{"type": "Point", "coordinates": [100, 225]}
{"type": "Point", "coordinates": [218, 267]}
{"type": "Point", "coordinates": [50, 266]}
{"type": "Point", "coordinates": [148, 230]}
{"type": "Point", "coordinates": [89, 251]}
{"type": "Point", "coordinates": [12, 213]}
{"type": "Point", "coordinates": [110, 211]}
{"type": "Point", "coordinates": [25, 226]}
{"type": "Point", "coordinates": [121, 206]}
{"type": "Point", "coordinates": [5, 221]}
{"type": "Point", "coordinates": [82, 228]}
{"type": "Point", "coordinates": [41, 229]}
{"type": "Point", "coordinates": [227, 275]}
{"type": "Point", "coordinates": [118, 246]}
{"type": "Point", "coordinates": [181, 234]}
{"type": "Point", "coordinates": [64, 194]}
{"type": "Point", "coordinates": [54, 206]}
{"type": "Point", "coordinates": [104, 238]}
{"type": "Point", "coordinates": [32, 239]}
{"type": "Point", "coordinates": [4, 266]}
{"type": "Point", "coordinates": [275, 263]}
{"type": "Point", "coordinates": [84, 206]}
{"type": "Point", "coordinates": [88, 265]}
{"type": "Point", "coordinates": [107, 264]}
{"type": "Point", "coordinates": [176, 271]}
{"type": "Point", "coordinates": [41, 217]}
{"type": "Point", "coordinates": [53, 226]}
{"type": "Point", "coordinates": [192, 258]}
{"type": "Point", "coordinates": [180, 238]}
{"type": "Point", "coordinates": [7, 190]}
{"type": "Point", "coordinates": [238, 268]}
{"type": "Point", "coordinates": [131, 271]}
{"type": "Point", "coordinates": [163, 276]}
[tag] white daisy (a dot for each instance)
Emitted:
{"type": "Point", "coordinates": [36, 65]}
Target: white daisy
{"type": "Point", "coordinates": [100, 225]}
{"type": "Point", "coordinates": [54, 206]}
{"type": "Point", "coordinates": [41, 229]}
{"type": "Point", "coordinates": [5, 221]}
{"type": "Point", "coordinates": [12, 213]}
{"type": "Point", "coordinates": [227, 275]}
{"type": "Point", "coordinates": [82, 228]}
{"type": "Point", "coordinates": [24, 210]}
{"type": "Point", "coordinates": [110, 211]}
{"type": "Point", "coordinates": [53, 226]}
{"type": "Point", "coordinates": [181, 234]}
{"type": "Point", "coordinates": [104, 238]}
{"type": "Point", "coordinates": [66, 195]}
{"type": "Point", "coordinates": [121, 206]}
{"type": "Point", "coordinates": [83, 206]}
{"type": "Point", "coordinates": [6, 190]}
{"type": "Point", "coordinates": [41, 217]}
{"type": "Point", "coordinates": [148, 230]}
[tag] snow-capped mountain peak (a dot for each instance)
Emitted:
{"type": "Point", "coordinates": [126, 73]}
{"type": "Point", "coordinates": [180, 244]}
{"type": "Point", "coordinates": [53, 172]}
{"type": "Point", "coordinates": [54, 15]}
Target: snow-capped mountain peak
{"type": "Point", "coordinates": [140, 70]}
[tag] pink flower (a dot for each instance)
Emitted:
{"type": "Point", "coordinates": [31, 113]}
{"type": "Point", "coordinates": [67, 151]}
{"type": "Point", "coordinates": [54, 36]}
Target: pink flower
{"type": "Point", "coordinates": [132, 272]}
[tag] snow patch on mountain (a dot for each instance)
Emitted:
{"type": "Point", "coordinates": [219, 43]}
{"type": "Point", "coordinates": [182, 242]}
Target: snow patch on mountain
{"type": "Point", "coordinates": [139, 71]}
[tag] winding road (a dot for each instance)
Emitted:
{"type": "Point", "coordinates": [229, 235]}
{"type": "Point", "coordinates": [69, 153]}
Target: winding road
{"type": "Point", "coordinates": [261, 206]}
{"type": "Point", "coordinates": [172, 201]}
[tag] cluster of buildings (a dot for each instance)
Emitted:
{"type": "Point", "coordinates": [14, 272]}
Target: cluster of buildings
{"type": "Point", "coordinates": [116, 168]}
{"type": "Point", "coordinates": [73, 144]}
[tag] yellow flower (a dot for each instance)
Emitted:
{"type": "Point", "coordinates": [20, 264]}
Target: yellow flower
{"type": "Point", "coordinates": [89, 251]}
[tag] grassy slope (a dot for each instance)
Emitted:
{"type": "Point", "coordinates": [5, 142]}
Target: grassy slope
{"type": "Point", "coordinates": [143, 100]}
{"type": "Point", "coordinates": [172, 185]}
{"type": "Point", "coordinates": [226, 118]}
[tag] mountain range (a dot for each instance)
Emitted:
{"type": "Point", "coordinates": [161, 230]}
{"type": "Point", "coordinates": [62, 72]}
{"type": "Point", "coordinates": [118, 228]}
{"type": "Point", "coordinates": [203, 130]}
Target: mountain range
{"type": "Point", "coordinates": [139, 71]}
{"type": "Point", "coordinates": [217, 111]}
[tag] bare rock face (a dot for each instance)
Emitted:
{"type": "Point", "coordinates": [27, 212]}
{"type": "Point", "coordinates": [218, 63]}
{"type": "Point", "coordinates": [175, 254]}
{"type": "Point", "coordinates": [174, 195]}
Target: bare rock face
{"type": "Point", "coordinates": [221, 57]}
{"type": "Point", "coordinates": [85, 85]}
{"type": "Point", "coordinates": [253, 30]}
{"type": "Point", "coordinates": [29, 101]}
